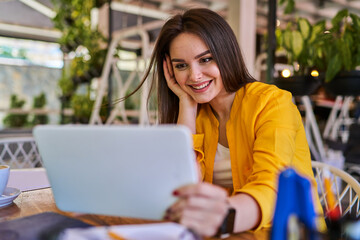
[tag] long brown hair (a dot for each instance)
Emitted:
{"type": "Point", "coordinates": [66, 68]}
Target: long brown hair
{"type": "Point", "coordinates": [222, 43]}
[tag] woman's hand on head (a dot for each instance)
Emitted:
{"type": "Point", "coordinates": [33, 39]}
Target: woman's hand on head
{"type": "Point", "coordinates": [172, 83]}
{"type": "Point", "coordinates": [187, 105]}
{"type": "Point", "coordinates": [201, 207]}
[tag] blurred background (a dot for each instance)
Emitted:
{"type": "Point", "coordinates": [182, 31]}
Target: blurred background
{"type": "Point", "coordinates": [68, 61]}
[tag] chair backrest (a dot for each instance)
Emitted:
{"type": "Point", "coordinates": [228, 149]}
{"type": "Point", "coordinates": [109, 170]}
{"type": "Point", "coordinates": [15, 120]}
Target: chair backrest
{"type": "Point", "coordinates": [345, 188]}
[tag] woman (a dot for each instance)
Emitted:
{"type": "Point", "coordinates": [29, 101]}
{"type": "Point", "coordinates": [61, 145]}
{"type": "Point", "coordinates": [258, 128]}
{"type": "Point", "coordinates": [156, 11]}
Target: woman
{"type": "Point", "coordinates": [245, 132]}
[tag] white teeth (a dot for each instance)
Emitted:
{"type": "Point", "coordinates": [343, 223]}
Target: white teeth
{"type": "Point", "coordinates": [201, 86]}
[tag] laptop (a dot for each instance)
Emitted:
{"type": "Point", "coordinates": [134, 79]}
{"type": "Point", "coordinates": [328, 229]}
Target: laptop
{"type": "Point", "coordinates": [128, 171]}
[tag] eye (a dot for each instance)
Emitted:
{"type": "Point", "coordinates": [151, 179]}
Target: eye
{"type": "Point", "coordinates": [181, 66]}
{"type": "Point", "coordinates": [206, 60]}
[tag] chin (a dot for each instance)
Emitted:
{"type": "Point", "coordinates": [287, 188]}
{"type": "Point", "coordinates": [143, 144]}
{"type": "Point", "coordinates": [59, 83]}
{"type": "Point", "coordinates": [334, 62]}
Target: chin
{"type": "Point", "coordinates": [201, 101]}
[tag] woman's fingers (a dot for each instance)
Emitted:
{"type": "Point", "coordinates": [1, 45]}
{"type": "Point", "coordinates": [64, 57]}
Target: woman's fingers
{"type": "Point", "coordinates": [167, 73]}
{"type": "Point", "coordinates": [201, 207]}
{"type": "Point", "coordinates": [169, 66]}
{"type": "Point", "coordinates": [204, 196]}
{"type": "Point", "coordinates": [205, 223]}
{"type": "Point", "coordinates": [204, 227]}
{"type": "Point", "coordinates": [202, 189]}
{"type": "Point", "coordinates": [170, 78]}
{"type": "Point", "coordinates": [200, 203]}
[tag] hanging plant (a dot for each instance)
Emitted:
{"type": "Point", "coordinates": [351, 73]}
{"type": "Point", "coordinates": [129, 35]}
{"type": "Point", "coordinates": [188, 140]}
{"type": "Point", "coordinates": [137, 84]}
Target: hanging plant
{"type": "Point", "coordinates": [85, 45]}
{"type": "Point", "coordinates": [73, 19]}
{"type": "Point", "coordinates": [82, 105]}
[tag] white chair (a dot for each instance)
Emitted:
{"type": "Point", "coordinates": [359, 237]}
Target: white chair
{"type": "Point", "coordinates": [345, 188]}
{"type": "Point", "coordinates": [19, 152]}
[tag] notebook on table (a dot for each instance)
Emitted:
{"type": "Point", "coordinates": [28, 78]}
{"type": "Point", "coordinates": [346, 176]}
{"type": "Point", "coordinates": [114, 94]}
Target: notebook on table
{"type": "Point", "coordinates": [42, 226]}
{"type": "Point", "coordinates": [128, 171]}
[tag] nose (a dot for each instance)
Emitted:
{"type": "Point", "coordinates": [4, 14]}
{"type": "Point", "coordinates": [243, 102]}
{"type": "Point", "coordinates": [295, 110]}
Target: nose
{"type": "Point", "coordinates": [195, 73]}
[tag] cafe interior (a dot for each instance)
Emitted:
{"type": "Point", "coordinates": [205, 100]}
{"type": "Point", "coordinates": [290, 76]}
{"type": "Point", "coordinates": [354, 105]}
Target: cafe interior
{"type": "Point", "coordinates": [66, 63]}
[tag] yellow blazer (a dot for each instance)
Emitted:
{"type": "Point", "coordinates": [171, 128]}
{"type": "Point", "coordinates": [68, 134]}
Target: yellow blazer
{"type": "Point", "coordinates": [265, 134]}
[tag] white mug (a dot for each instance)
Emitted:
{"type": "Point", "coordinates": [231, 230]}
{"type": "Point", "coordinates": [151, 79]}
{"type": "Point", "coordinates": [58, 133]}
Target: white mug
{"type": "Point", "coordinates": [4, 177]}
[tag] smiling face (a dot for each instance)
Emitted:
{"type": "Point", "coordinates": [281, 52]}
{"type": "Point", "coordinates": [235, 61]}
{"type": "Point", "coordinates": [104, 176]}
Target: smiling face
{"type": "Point", "coordinates": [194, 68]}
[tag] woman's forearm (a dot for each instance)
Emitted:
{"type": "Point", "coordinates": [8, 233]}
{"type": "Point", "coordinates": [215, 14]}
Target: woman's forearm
{"type": "Point", "coordinates": [248, 214]}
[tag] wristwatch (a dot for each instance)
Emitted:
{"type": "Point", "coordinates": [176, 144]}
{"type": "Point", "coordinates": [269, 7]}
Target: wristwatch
{"type": "Point", "coordinates": [227, 226]}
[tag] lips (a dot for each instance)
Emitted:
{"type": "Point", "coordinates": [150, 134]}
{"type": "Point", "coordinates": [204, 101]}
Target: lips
{"type": "Point", "coordinates": [201, 86]}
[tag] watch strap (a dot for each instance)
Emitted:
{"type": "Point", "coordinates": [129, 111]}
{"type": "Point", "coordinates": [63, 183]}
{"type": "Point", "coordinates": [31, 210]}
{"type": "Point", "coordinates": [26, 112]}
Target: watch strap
{"type": "Point", "coordinates": [227, 225]}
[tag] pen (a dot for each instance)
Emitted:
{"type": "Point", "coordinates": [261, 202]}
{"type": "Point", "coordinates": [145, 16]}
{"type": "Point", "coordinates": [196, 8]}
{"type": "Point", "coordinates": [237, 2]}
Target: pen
{"type": "Point", "coordinates": [329, 194]}
{"type": "Point", "coordinates": [333, 210]}
{"type": "Point", "coordinates": [115, 236]}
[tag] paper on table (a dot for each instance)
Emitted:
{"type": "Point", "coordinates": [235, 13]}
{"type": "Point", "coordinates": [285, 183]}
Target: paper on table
{"type": "Point", "coordinates": [153, 231]}
{"type": "Point", "coordinates": [28, 179]}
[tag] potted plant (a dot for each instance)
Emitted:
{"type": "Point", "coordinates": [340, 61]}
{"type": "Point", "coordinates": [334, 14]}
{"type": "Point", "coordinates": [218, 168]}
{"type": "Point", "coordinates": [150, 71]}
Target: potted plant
{"type": "Point", "coordinates": [16, 120]}
{"type": "Point", "coordinates": [341, 54]}
{"type": "Point", "coordinates": [289, 5]}
{"type": "Point", "coordinates": [39, 102]}
{"type": "Point", "coordinates": [299, 40]}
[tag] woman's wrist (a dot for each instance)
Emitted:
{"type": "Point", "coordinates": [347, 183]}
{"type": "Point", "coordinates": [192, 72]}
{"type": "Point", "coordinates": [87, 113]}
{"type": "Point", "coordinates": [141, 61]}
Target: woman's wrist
{"type": "Point", "coordinates": [187, 113]}
{"type": "Point", "coordinates": [249, 209]}
{"type": "Point", "coordinates": [187, 102]}
{"type": "Point", "coordinates": [227, 226]}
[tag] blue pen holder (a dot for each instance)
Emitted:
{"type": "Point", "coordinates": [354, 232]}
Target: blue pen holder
{"type": "Point", "coordinates": [294, 198]}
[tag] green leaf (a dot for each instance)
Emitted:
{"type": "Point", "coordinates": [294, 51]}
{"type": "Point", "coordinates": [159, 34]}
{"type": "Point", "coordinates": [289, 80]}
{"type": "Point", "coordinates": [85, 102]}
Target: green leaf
{"type": "Point", "coordinates": [357, 59]}
{"type": "Point", "coordinates": [304, 27]}
{"type": "Point", "coordinates": [346, 52]}
{"type": "Point", "coordinates": [333, 68]}
{"type": "Point", "coordinates": [290, 6]}
{"type": "Point", "coordinates": [287, 39]}
{"type": "Point", "coordinates": [317, 30]}
{"type": "Point", "coordinates": [319, 52]}
{"type": "Point", "coordinates": [297, 43]}
{"type": "Point", "coordinates": [357, 56]}
{"type": "Point", "coordinates": [336, 21]}
{"type": "Point", "coordinates": [356, 21]}
{"type": "Point", "coordinates": [309, 60]}
{"type": "Point", "coordinates": [279, 37]}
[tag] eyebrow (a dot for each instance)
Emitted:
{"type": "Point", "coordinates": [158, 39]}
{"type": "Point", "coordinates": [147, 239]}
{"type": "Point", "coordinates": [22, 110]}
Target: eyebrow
{"type": "Point", "coordinates": [197, 56]}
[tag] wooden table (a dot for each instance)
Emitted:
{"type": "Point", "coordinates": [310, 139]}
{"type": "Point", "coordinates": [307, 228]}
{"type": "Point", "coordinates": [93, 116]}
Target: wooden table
{"type": "Point", "coordinates": [37, 201]}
